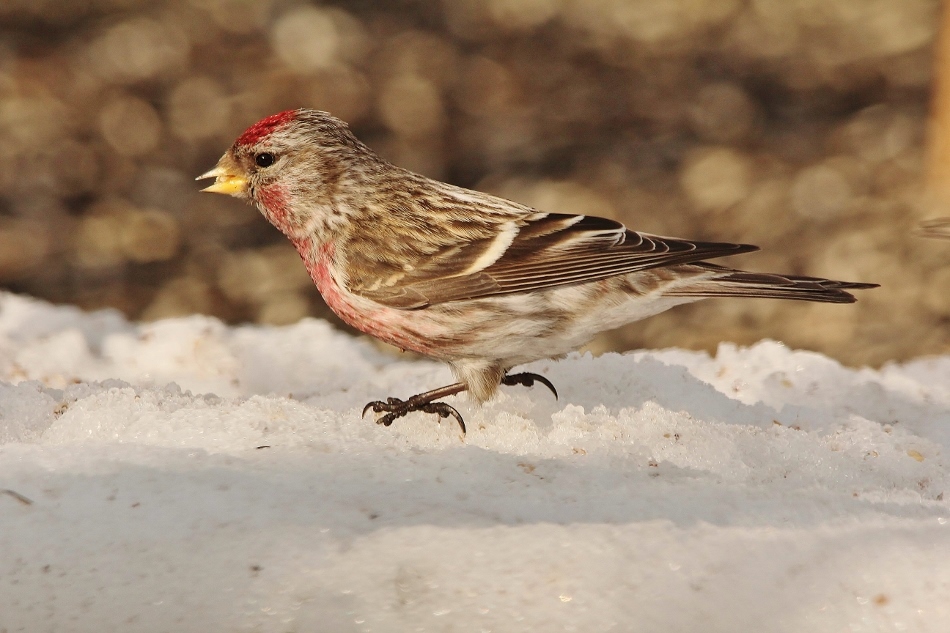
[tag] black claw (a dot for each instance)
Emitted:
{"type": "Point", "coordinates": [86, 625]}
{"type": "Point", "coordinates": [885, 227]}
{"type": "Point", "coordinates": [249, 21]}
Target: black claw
{"type": "Point", "coordinates": [527, 379]}
{"type": "Point", "coordinates": [379, 406]}
{"type": "Point", "coordinates": [443, 411]}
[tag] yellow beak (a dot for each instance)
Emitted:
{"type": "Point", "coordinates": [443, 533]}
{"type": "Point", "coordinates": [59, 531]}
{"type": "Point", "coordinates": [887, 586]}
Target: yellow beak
{"type": "Point", "coordinates": [225, 182]}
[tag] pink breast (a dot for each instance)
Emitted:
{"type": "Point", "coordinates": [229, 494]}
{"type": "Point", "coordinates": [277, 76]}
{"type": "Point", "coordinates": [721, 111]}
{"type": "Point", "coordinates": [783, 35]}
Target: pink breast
{"type": "Point", "coordinates": [396, 327]}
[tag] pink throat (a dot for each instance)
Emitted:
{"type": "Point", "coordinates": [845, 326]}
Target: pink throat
{"type": "Point", "coordinates": [273, 199]}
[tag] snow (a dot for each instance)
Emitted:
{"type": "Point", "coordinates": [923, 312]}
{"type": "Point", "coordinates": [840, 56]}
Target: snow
{"type": "Point", "coordinates": [185, 475]}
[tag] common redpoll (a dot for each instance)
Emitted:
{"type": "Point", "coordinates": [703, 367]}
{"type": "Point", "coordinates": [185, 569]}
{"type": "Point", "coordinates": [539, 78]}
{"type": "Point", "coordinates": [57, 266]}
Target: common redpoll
{"type": "Point", "coordinates": [482, 283]}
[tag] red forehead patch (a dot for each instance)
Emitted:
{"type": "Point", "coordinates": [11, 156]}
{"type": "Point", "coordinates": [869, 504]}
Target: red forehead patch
{"type": "Point", "coordinates": [265, 126]}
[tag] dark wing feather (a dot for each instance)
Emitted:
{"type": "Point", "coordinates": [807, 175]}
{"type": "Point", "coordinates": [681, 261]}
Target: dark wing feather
{"type": "Point", "coordinates": [536, 252]}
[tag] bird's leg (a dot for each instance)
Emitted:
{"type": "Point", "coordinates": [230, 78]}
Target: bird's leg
{"type": "Point", "coordinates": [396, 408]}
{"type": "Point", "coordinates": [527, 379]}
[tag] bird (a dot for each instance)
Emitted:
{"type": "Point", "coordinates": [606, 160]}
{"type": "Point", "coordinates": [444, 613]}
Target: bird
{"type": "Point", "coordinates": [482, 283]}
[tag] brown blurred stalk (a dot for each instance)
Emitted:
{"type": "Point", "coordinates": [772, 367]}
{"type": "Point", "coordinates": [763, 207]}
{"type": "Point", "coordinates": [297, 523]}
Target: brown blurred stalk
{"type": "Point", "coordinates": [938, 168]}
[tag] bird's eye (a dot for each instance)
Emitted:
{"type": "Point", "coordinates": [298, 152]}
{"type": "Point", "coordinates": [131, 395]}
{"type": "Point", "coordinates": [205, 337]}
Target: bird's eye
{"type": "Point", "coordinates": [264, 159]}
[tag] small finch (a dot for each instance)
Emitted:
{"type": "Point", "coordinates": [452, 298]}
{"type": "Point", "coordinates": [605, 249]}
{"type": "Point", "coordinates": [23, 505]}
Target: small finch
{"type": "Point", "coordinates": [482, 283]}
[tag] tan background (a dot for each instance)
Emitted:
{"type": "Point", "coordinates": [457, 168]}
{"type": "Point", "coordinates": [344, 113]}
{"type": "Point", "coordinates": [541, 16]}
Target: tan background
{"type": "Point", "coordinates": [797, 125]}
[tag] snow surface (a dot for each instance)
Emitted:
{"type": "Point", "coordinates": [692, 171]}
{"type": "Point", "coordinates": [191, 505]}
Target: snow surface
{"type": "Point", "coordinates": [187, 476]}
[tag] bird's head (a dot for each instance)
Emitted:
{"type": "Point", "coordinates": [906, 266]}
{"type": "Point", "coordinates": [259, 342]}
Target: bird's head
{"type": "Point", "coordinates": [290, 165]}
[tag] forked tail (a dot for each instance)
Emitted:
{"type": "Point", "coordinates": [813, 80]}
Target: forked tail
{"type": "Point", "coordinates": [726, 282]}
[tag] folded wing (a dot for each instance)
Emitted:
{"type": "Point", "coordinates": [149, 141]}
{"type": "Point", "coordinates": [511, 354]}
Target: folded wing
{"type": "Point", "coordinates": [536, 252]}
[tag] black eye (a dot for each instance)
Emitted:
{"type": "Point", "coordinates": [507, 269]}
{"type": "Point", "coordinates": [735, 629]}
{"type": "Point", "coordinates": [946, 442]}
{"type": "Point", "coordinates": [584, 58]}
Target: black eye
{"type": "Point", "coordinates": [264, 159]}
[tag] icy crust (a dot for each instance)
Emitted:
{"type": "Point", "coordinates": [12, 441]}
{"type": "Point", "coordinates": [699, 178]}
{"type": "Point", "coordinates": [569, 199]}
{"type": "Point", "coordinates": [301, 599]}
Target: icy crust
{"type": "Point", "coordinates": [184, 475]}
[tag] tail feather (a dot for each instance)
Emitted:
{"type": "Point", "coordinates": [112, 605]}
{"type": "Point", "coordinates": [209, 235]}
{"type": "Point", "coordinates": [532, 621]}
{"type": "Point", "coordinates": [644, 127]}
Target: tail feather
{"type": "Point", "coordinates": [738, 283]}
{"type": "Point", "coordinates": [938, 228]}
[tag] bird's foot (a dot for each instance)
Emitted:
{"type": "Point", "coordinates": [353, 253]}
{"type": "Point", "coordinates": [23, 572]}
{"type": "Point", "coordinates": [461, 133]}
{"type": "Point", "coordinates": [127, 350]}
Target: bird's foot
{"type": "Point", "coordinates": [527, 379]}
{"type": "Point", "coordinates": [396, 408]}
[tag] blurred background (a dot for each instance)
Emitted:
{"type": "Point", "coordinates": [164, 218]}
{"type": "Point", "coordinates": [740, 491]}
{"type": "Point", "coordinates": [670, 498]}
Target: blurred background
{"type": "Point", "coordinates": [796, 125]}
